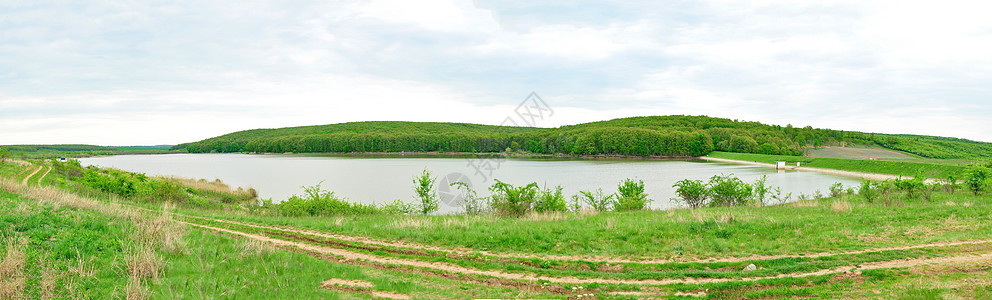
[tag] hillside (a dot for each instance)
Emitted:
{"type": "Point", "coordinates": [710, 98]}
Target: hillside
{"type": "Point", "coordinates": [640, 136]}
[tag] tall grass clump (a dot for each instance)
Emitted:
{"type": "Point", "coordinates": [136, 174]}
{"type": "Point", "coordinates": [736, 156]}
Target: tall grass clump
{"type": "Point", "coordinates": [508, 200]}
{"type": "Point", "coordinates": [631, 195]}
{"type": "Point", "coordinates": [426, 193]}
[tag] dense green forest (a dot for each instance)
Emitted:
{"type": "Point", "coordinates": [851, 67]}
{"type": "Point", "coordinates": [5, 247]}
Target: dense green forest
{"type": "Point", "coordinates": [76, 150]}
{"type": "Point", "coordinates": [638, 136]}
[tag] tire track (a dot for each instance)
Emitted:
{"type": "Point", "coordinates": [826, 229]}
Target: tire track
{"type": "Point", "coordinates": [25, 181]}
{"type": "Point", "coordinates": [567, 258]}
{"type": "Point", "coordinates": [451, 268]}
{"type": "Point", "coordinates": [43, 175]}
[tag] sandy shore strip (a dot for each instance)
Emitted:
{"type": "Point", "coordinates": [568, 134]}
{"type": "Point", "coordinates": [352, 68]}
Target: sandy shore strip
{"type": "Point", "coordinates": [865, 175]}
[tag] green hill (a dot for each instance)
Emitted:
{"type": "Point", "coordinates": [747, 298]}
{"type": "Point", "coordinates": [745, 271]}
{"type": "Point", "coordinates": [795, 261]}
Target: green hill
{"type": "Point", "coordinates": [639, 136]}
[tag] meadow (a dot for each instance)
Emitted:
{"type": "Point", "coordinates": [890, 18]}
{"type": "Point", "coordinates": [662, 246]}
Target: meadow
{"type": "Point", "coordinates": [77, 232]}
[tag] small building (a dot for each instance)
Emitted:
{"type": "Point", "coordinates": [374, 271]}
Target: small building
{"type": "Point", "coordinates": [780, 165]}
{"type": "Point", "coordinates": [62, 159]}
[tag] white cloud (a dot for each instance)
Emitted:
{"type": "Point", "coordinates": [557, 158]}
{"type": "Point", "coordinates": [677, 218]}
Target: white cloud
{"type": "Point", "coordinates": [171, 72]}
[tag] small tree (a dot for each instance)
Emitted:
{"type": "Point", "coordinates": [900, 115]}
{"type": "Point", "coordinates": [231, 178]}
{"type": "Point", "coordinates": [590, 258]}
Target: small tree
{"type": "Point", "coordinates": [692, 193]}
{"type": "Point", "coordinates": [4, 154]}
{"type": "Point", "coordinates": [976, 178]}
{"type": "Point", "coordinates": [761, 189]}
{"type": "Point", "coordinates": [631, 196]}
{"type": "Point", "coordinates": [426, 193]}
{"type": "Point", "coordinates": [868, 190]}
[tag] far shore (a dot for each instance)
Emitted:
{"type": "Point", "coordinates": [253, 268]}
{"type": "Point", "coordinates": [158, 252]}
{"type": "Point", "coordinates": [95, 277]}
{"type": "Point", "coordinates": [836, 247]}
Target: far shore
{"type": "Point", "coordinates": [865, 175]}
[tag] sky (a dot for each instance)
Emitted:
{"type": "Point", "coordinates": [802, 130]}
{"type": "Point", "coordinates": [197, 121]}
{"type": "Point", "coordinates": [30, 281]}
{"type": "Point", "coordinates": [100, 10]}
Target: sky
{"type": "Point", "coordinates": [166, 72]}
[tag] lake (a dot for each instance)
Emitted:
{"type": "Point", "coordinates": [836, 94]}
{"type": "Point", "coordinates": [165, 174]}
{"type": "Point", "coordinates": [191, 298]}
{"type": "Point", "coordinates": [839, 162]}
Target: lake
{"type": "Point", "coordinates": [379, 179]}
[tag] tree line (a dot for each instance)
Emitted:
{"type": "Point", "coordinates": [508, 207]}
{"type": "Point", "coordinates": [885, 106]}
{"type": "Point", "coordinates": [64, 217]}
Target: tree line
{"type": "Point", "coordinates": [673, 136]}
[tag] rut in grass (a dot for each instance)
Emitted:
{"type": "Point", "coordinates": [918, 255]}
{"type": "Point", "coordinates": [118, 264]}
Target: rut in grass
{"type": "Point", "coordinates": [450, 268]}
{"type": "Point", "coordinates": [412, 248]}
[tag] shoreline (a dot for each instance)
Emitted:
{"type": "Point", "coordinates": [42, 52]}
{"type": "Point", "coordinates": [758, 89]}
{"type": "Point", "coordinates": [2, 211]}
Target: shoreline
{"type": "Point", "coordinates": [863, 175]}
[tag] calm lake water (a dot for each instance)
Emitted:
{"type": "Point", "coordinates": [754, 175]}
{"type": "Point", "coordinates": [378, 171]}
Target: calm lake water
{"type": "Point", "coordinates": [379, 179]}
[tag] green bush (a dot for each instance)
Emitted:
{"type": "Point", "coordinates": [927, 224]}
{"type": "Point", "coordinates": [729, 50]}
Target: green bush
{"type": "Point", "coordinates": [508, 200]}
{"type": "Point", "coordinates": [397, 207]}
{"type": "Point", "coordinates": [836, 189]}
{"type": "Point", "coordinates": [868, 190]}
{"type": "Point", "coordinates": [550, 200]}
{"type": "Point", "coordinates": [692, 193]}
{"type": "Point", "coordinates": [597, 200]}
{"type": "Point", "coordinates": [426, 193]}
{"type": "Point", "coordinates": [318, 202]}
{"type": "Point", "coordinates": [473, 204]}
{"type": "Point", "coordinates": [631, 195]}
{"type": "Point", "coordinates": [976, 178]}
{"type": "Point", "coordinates": [727, 190]}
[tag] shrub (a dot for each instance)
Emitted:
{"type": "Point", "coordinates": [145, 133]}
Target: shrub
{"type": "Point", "coordinates": [551, 201]}
{"type": "Point", "coordinates": [318, 202]}
{"type": "Point", "coordinates": [761, 189]}
{"type": "Point", "coordinates": [868, 190]}
{"type": "Point", "coordinates": [598, 200]}
{"type": "Point", "coordinates": [976, 177]}
{"type": "Point", "coordinates": [692, 193]}
{"type": "Point", "coordinates": [836, 190]}
{"type": "Point", "coordinates": [631, 195]}
{"type": "Point", "coordinates": [473, 203]}
{"type": "Point", "coordinates": [914, 188]}
{"type": "Point", "coordinates": [726, 190]}
{"type": "Point", "coordinates": [169, 190]}
{"type": "Point", "coordinates": [397, 207]}
{"type": "Point", "coordinates": [513, 201]}
{"type": "Point", "coordinates": [426, 193]}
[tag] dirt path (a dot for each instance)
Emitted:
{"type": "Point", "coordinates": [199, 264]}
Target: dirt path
{"type": "Point", "coordinates": [451, 268]}
{"type": "Point", "coordinates": [595, 259]}
{"type": "Point", "coordinates": [865, 175]}
{"type": "Point", "coordinates": [25, 181]}
{"type": "Point", "coordinates": [43, 175]}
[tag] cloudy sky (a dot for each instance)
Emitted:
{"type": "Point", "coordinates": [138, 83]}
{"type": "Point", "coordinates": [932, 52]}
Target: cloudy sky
{"type": "Point", "coordinates": [166, 72]}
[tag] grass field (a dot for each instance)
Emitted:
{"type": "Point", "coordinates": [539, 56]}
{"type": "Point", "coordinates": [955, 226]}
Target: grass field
{"type": "Point", "coordinates": [940, 169]}
{"type": "Point", "coordinates": [59, 244]}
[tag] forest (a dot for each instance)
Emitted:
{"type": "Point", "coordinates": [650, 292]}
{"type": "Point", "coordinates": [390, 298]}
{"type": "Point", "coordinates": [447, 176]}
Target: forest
{"type": "Point", "coordinates": [663, 136]}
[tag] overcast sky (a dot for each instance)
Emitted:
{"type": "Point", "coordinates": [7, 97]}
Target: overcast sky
{"type": "Point", "coordinates": [166, 72]}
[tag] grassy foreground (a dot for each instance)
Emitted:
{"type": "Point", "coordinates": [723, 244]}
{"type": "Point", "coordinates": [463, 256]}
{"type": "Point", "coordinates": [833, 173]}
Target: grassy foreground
{"type": "Point", "coordinates": [57, 243]}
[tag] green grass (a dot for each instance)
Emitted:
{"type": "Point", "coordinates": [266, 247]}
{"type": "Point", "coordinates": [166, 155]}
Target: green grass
{"type": "Point", "coordinates": [68, 252]}
{"type": "Point", "coordinates": [58, 241]}
{"type": "Point", "coordinates": [937, 169]}
{"type": "Point", "coordinates": [678, 234]}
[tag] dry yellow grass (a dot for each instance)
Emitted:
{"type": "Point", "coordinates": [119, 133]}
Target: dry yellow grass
{"type": "Point", "coordinates": [215, 186]}
{"type": "Point", "coordinates": [253, 248]}
{"type": "Point", "coordinates": [840, 206]}
{"type": "Point", "coordinates": [805, 203]}
{"type": "Point", "coordinates": [409, 223]}
{"type": "Point", "coordinates": [135, 289]}
{"type": "Point", "coordinates": [142, 262]}
{"type": "Point", "coordinates": [48, 282]}
{"type": "Point", "coordinates": [12, 272]}
{"type": "Point", "coordinates": [545, 216]}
